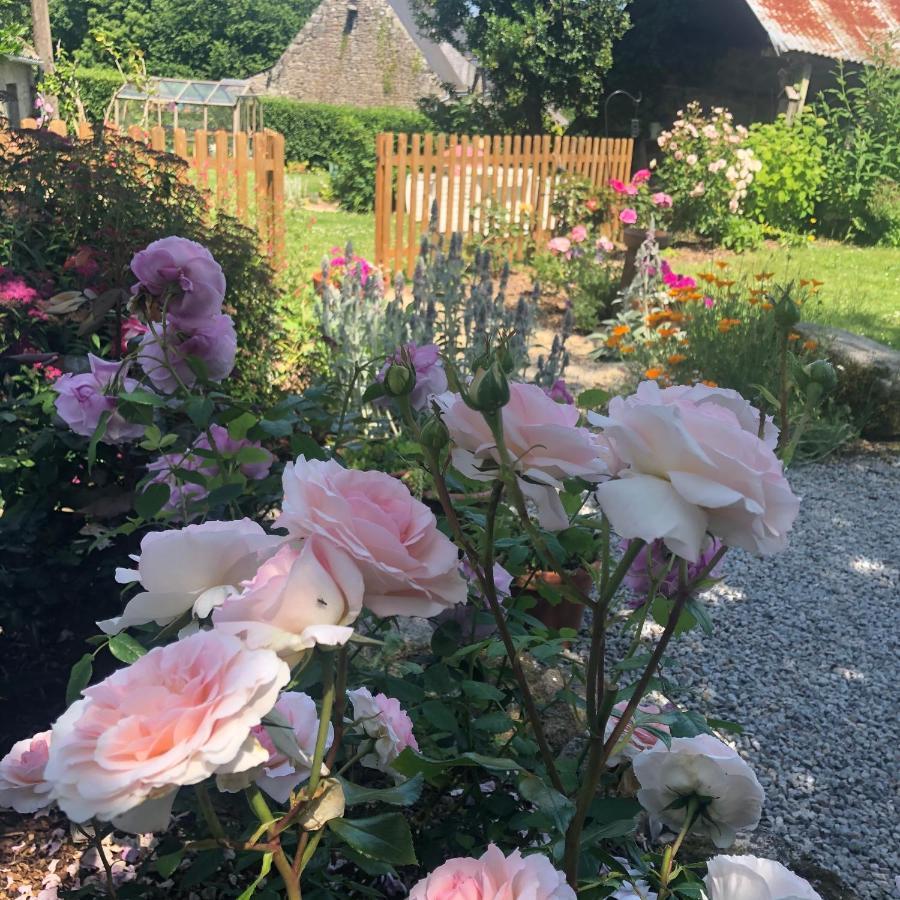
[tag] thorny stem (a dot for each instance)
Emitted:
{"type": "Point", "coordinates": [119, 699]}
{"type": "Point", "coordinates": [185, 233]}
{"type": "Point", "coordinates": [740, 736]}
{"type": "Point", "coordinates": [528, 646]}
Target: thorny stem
{"type": "Point", "coordinates": [324, 721]}
{"type": "Point", "coordinates": [340, 701]}
{"type": "Point", "coordinates": [264, 814]}
{"type": "Point", "coordinates": [209, 812]}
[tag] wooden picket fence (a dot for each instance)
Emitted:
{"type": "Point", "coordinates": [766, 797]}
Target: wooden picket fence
{"type": "Point", "coordinates": [243, 174]}
{"type": "Point", "coordinates": [481, 184]}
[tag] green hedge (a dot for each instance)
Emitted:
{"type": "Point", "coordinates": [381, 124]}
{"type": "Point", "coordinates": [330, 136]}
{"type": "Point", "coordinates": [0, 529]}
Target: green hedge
{"type": "Point", "coordinates": [97, 87]}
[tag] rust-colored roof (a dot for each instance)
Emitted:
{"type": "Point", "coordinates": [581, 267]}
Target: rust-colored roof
{"type": "Point", "coordinates": [840, 29]}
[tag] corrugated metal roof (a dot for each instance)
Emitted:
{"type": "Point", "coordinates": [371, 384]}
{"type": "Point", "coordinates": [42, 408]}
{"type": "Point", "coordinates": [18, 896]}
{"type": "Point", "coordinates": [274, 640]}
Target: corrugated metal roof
{"type": "Point", "coordinates": [840, 29]}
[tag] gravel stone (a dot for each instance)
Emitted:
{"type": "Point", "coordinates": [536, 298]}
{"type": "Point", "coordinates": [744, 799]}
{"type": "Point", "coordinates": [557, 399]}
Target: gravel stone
{"type": "Point", "coordinates": [805, 654]}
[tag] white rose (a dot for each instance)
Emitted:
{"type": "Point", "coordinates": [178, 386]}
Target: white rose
{"type": "Point", "coordinates": [754, 878]}
{"type": "Point", "coordinates": [729, 795]}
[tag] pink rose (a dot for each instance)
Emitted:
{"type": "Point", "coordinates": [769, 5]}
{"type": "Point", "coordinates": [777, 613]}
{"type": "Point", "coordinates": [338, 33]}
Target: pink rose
{"type": "Point", "coordinates": [383, 720]}
{"type": "Point", "coordinates": [186, 268]}
{"type": "Point", "coordinates": [605, 244]}
{"type": "Point", "coordinates": [559, 245]}
{"type": "Point", "coordinates": [408, 566]}
{"type": "Point", "coordinates": [662, 200]}
{"type": "Point", "coordinates": [691, 159]}
{"type": "Point", "coordinates": [631, 190]}
{"type": "Point", "coordinates": [163, 355]}
{"type": "Point", "coordinates": [84, 398]}
{"type": "Point", "coordinates": [230, 447]}
{"type": "Point", "coordinates": [494, 877]}
{"type": "Point", "coordinates": [280, 774]}
{"type": "Point", "coordinates": [23, 786]}
{"type": "Point", "coordinates": [578, 234]}
{"type": "Point", "coordinates": [636, 736]}
{"type": "Point", "coordinates": [176, 716]}
{"type": "Point", "coordinates": [690, 462]}
{"type": "Point", "coordinates": [628, 216]}
{"type": "Point", "coordinates": [298, 598]}
{"type": "Point", "coordinates": [430, 376]}
{"type": "Point", "coordinates": [191, 569]}
{"type": "Point", "coordinates": [543, 438]}
{"type": "Point", "coordinates": [617, 185]}
{"type": "Point", "coordinates": [641, 176]}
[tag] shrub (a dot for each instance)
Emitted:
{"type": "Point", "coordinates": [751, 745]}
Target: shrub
{"type": "Point", "coordinates": [883, 213]}
{"type": "Point", "coordinates": [861, 117]}
{"type": "Point", "coordinates": [784, 192]}
{"type": "Point", "coordinates": [707, 166]}
{"type": "Point", "coordinates": [97, 87]}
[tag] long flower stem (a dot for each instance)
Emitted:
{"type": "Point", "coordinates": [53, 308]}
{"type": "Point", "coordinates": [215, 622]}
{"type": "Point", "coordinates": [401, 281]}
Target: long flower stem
{"type": "Point", "coordinates": [673, 848]}
{"type": "Point", "coordinates": [264, 814]}
{"type": "Point", "coordinates": [324, 721]}
{"type": "Point", "coordinates": [208, 811]}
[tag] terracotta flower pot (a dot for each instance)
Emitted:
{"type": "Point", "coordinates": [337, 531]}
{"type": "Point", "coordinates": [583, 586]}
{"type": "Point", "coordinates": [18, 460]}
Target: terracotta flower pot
{"type": "Point", "coordinates": [633, 237]}
{"type": "Point", "coordinates": [564, 614]}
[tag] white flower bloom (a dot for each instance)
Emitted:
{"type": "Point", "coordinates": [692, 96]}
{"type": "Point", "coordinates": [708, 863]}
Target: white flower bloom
{"type": "Point", "coordinates": [703, 767]}
{"type": "Point", "coordinates": [383, 719]}
{"type": "Point", "coordinates": [754, 878]}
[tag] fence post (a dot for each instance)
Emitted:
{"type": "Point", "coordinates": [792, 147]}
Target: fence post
{"type": "Point", "coordinates": [260, 139]}
{"type": "Point", "coordinates": [276, 155]}
{"type": "Point", "coordinates": [380, 140]}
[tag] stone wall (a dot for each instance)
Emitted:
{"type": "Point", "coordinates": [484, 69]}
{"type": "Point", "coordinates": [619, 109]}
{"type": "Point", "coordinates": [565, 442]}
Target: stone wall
{"type": "Point", "coordinates": [366, 60]}
{"type": "Point", "coordinates": [16, 94]}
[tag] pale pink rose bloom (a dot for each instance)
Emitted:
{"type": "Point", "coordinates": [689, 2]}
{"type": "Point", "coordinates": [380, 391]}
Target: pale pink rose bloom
{"type": "Point", "coordinates": [186, 268]}
{"type": "Point", "coordinates": [281, 775]}
{"type": "Point", "coordinates": [691, 159]}
{"type": "Point", "coordinates": [698, 189]}
{"type": "Point", "coordinates": [734, 205]}
{"type": "Point", "coordinates": [385, 721]}
{"type": "Point", "coordinates": [631, 190]}
{"type": "Point", "coordinates": [701, 766]}
{"type": "Point", "coordinates": [662, 200]}
{"type": "Point", "coordinates": [628, 216]}
{"type": "Point", "coordinates": [82, 400]}
{"type": "Point", "coordinates": [559, 245]}
{"type": "Point", "coordinates": [731, 173]}
{"type": "Point", "coordinates": [409, 567]}
{"type": "Point", "coordinates": [301, 597]}
{"type": "Point", "coordinates": [163, 355]}
{"type": "Point", "coordinates": [176, 716]}
{"type": "Point", "coordinates": [543, 438]}
{"type": "Point", "coordinates": [635, 738]}
{"type": "Point", "coordinates": [709, 132]}
{"type": "Point", "coordinates": [605, 244]}
{"type": "Point", "coordinates": [191, 569]}
{"type": "Point", "coordinates": [679, 155]}
{"type": "Point", "coordinates": [578, 234]}
{"type": "Point", "coordinates": [22, 783]}
{"type": "Point", "coordinates": [689, 461]}
{"type": "Point", "coordinates": [754, 878]}
{"type": "Point", "coordinates": [494, 877]}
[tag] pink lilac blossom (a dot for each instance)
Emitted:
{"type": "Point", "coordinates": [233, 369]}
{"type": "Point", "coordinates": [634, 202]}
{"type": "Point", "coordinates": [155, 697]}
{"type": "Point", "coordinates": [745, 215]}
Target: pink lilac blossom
{"type": "Point", "coordinates": [23, 786]}
{"type": "Point", "coordinates": [83, 399]}
{"type": "Point", "coordinates": [163, 355]}
{"type": "Point", "coordinates": [186, 268]}
{"type": "Point", "coordinates": [430, 376]}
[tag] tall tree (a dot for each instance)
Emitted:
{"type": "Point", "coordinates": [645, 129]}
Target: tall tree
{"type": "Point", "coordinates": [201, 38]}
{"type": "Point", "coordinates": [537, 55]}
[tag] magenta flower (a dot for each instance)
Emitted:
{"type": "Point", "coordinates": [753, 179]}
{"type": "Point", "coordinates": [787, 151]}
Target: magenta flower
{"type": "Point", "coordinates": [14, 289]}
{"type": "Point", "coordinates": [84, 398]}
{"type": "Point", "coordinates": [641, 176]}
{"type": "Point", "coordinates": [224, 444]}
{"type": "Point", "coordinates": [559, 392]}
{"type": "Point", "coordinates": [188, 270]}
{"type": "Point", "coordinates": [164, 355]}
{"type": "Point", "coordinates": [672, 279]}
{"type": "Point", "coordinates": [617, 185]}
{"type": "Point", "coordinates": [628, 216]}
{"type": "Point", "coordinates": [430, 376]}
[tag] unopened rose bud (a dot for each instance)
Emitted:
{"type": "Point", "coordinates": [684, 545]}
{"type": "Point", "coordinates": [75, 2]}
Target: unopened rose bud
{"type": "Point", "coordinates": [434, 435]}
{"type": "Point", "coordinates": [489, 390]}
{"type": "Point", "coordinates": [787, 314]}
{"type": "Point", "coordinates": [506, 359]}
{"type": "Point", "coordinates": [399, 380]}
{"type": "Point", "coordinates": [822, 372]}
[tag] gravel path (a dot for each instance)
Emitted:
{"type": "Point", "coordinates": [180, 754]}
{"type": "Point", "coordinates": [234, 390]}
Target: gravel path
{"type": "Point", "coordinates": [806, 655]}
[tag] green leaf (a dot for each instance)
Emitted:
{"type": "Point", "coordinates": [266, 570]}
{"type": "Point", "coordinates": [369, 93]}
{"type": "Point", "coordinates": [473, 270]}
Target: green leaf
{"type": "Point", "coordinates": [493, 722]}
{"type": "Point", "coordinates": [167, 864]}
{"type": "Point", "coordinates": [592, 398]}
{"type": "Point", "coordinates": [144, 398]}
{"type": "Point", "coordinates": [264, 870]}
{"type": "Point", "coordinates": [547, 800]}
{"type": "Point", "coordinates": [385, 838]}
{"type": "Point", "coordinates": [725, 725]}
{"type": "Point", "coordinates": [409, 762]}
{"type": "Point", "coordinates": [238, 428]}
{"type": "Point", "coordinates": [223, 495]}
{"type": "Point", "coordinates": [404, 794]}
{"type": "Point", "coordinates": [97, 436]}
{"type": "Point", "coordinates": [199, 410]}
{"type": "Point", "coordinates": [439, 715]}
{"type": "Point", "coordinates": [125, 648]}
{"type": "Point", "coordinates": [152, 499]}
{"type": "Point", "coordinates": [79, 677]}
{"type": "Point", "coordinates": [252, 455]}
{"type": "Point", "coordinates": [373, 392]}
{"type": "Point", "coordinates": [303, 444]}
{"type": "Point", "coordinates": [699, 611]}
{"type": "Point", "coordinates": [481, 690]}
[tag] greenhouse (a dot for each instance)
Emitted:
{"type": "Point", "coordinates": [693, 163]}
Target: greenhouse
{"type": "Point", "coordinates": [189, 103]}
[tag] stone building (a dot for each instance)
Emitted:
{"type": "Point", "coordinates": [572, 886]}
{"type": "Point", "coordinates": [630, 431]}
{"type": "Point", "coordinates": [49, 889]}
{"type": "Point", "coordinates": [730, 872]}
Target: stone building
{"type": "Point", "coordinates": [366, 53]}
{"type": "Point", "coordinates": [17, 74]}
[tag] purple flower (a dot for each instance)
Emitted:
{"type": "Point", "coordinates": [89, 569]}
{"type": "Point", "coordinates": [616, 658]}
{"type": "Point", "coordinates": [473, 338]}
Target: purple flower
{"type": "Point", "coordinates": [185, 492]}
{"type": "Point", "coordinates": [652, 561]}
{"type": "Point", "coordinates": [84, 398]}
{"type": "Point", "coordinates": [188, 269]}
{"type": "Point", "coordinates": [430, 376]}
{"type": "Point", "coordinates": [559, 391]}
{"type": "Point", "coordinates": [502, 579]}
{"type": "Point", "coordinates": [14, 289]}
{"type": "Point", "coordinates": [163, 356]}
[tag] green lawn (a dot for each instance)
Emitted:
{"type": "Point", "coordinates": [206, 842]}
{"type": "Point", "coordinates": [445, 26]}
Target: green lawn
{"type": "Point", "coordinates": [862, 284]}
{"type": "Point", "coordinates": [312, 233]}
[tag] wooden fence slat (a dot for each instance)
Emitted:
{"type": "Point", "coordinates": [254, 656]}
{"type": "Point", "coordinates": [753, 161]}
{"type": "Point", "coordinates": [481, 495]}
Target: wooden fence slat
{"type": "Point", "coordinates": [440, 172]}
{"type": "Point", "coordinates": [158, 138]}
{"type": "Point", "coordinates": [260, 140]}
{"type": "Point", "coordinates": [201, 156]}
{"type": "Point", "coordinates": [379, 191]}
{"type": "Point", "coordinates": [241, 177]}
{"type": "Point", "coordinates": [179, 143]}
{"type": "Point", "coordinates": [460, 171]}
{"type": "Point", "coordinates": [427, 166]}
{"type": "Point", "coordinates": [221, 162]}
{"type": "Point", "coordinates": [412, 222]}
{"type": "Point", "coordinates": [401, 200]}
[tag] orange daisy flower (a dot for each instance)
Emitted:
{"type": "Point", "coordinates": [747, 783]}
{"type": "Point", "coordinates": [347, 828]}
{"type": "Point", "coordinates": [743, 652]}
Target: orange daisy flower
{"type": "Point", "coordinates": [621, 329]}
{"type": "Point", "coordinates": [676, 358]}
{"type": "Point", "coordinates": [653, 373]}
{"type": "Point", "coordinates": [763, 276]}
{"type": "Point", "coordinates": [666, 332]}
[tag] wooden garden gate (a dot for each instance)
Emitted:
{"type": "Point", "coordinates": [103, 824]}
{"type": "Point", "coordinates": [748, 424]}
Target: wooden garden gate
{"type": "Point", "coordinates": [479, 183]}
